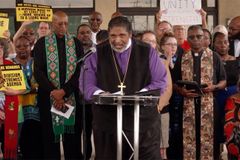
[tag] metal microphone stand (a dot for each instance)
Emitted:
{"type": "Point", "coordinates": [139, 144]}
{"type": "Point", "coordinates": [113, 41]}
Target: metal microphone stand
{"type": "Point", "coordinates": [83, 67]}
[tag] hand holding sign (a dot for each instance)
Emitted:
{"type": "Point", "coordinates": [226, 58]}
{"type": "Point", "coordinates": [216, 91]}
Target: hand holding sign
{"type": "Point", "coordinates": [13, 78]}
{"type": "Point", "coordinates": [2, 80]}
{"type": "Point", "coordinates": [159, 14]}
{"type": "Point", "coordinates": [4, 23]}
{"type": "Point", "coordinates": [202, 13]}
{"type": "Point", "coordinates": [26, 23]}
{"type": "Point", "coordinates": [6, 34]}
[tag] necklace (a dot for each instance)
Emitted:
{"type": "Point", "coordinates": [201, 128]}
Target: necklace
{"type": "Point", "coordinates": [121, 82]}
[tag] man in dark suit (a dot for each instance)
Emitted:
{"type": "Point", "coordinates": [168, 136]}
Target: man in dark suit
{"type": "Point", "coordinates": [234, 36]}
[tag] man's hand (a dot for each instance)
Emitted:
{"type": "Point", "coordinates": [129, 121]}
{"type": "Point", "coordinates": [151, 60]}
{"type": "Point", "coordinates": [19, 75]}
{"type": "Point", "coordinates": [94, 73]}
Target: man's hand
{"type": "Point", "coordinates": [209, 88]}
{"type": "Point", "coordinates": [105, 93]}
{"type": "Point", "coordinates": [59, 104]}
{"type": "Point", "coordinates": [57, 94]}
{"type": "Point", "coordinates": [188, 93]}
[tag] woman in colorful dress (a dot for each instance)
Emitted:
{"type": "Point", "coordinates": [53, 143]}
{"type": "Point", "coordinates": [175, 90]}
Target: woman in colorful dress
{"type": "Point", "coordinates": [30, 138]}
{"type": "Point", "coordinates": [231, 65]}
{"type": "Point", "coordinates": [232, 125]}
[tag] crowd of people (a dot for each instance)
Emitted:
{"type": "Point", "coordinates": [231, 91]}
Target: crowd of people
{"type": "Point", "coordinates": [188, 123]}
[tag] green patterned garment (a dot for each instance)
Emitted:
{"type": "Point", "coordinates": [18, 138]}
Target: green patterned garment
{"type": "Point", "coordinates": [61, 125]}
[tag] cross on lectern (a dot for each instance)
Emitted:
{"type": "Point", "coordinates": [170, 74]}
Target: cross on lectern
{"type": "Point", "coordinates": [121, 86]}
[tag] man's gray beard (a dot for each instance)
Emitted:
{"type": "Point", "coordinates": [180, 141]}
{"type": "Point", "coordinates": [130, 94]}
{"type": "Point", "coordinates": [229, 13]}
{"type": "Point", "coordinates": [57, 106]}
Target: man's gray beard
{"type": "Point", "coordinates": [118, 50]}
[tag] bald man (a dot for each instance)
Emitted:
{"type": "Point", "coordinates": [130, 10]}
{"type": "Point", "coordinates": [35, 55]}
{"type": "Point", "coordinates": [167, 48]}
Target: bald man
{"type": "Point", "coordinates": [57, 72]}
{"type": "Point", "coordinates": [234, 37]}
{"type": "Point", "coordinates": [95, 21]}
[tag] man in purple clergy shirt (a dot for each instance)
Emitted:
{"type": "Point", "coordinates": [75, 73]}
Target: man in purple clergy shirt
{"type": "Point", "coordinates": [134, 64]}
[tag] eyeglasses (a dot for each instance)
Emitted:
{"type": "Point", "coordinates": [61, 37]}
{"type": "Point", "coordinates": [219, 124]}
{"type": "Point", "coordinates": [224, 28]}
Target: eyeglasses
{"type": "Point", "coordinates": [171, 44]}
{"type": "Point", "coordinates": [95, 19]}
{"type": "Point", "coordinates": [195, 36]}
{"type": "Point", "coordinates": [164, 29]}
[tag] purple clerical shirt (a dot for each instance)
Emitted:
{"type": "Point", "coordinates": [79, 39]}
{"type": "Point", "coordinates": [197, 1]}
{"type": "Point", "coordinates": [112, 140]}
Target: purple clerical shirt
{"type": "Point", "coordinates": [157, 69]}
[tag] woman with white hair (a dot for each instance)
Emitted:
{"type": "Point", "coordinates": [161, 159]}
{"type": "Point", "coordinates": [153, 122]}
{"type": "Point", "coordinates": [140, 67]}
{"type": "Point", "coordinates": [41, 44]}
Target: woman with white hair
{"type": "Point", "coordinates": [220, 28]}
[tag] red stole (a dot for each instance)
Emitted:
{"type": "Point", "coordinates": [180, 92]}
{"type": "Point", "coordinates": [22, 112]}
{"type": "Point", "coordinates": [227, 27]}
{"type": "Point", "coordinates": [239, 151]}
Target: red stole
{"type": "Point", "coordinates": [10, 125]}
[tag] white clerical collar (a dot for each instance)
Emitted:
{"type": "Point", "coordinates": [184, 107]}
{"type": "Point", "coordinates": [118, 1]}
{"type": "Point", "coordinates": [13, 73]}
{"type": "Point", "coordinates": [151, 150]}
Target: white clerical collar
{"type": "Point", "coordinates": [196, 54]}
{"type": "Point", "coordinates": [128, 44]}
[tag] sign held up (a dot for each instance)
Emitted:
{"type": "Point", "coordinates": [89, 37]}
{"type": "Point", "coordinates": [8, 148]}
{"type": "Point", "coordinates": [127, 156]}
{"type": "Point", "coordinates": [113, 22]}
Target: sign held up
{"type": "Point", "coordinates": [33, 12]}
{"type": "Point", "coordinates": [181, 12]}
{"type": "Point", "coordinates": [4, 23]}
{"type": "Point", "coordinates": [13, 77]}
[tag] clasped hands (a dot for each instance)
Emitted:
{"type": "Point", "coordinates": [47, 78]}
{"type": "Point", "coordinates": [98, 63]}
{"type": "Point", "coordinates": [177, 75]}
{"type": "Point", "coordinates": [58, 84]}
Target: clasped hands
{"type": "Point", "coordinates": [58, 98]}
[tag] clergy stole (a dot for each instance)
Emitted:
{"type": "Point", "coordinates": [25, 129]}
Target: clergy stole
{"type": "Point", "coordinates": [60, 124]}
{"type": "Point", "coordinates": [11, 127]}
{"type": "Point", "coordinates": [207, 119]}
{"type": "Point", "coordinates": [10, 124]}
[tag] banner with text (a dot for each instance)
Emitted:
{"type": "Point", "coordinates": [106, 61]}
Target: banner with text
{"type": "Point", "coordinates": [13, 77]}
{"type": "Point", "coordinates": [33, 12]}
{"type": "Point", "coordinates": [4, 23]}
{"type": "Point", "coordinates": [181, 12]}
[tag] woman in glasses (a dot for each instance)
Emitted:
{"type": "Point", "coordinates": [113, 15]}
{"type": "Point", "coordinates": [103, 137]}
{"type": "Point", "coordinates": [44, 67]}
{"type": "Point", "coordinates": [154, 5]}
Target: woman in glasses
{"type": "Point", "coordinates": [27, 31]}
{"type": "Point", "coordinates": [168, 47]}
{"type": "Point", "coordinates": [150, 38]}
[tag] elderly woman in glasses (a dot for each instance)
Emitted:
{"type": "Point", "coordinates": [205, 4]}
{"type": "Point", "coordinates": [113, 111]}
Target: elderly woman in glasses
{"type": "Point", "coordinates": [168, 48]}
{"type": "Point", "coordinates": [232, 125]}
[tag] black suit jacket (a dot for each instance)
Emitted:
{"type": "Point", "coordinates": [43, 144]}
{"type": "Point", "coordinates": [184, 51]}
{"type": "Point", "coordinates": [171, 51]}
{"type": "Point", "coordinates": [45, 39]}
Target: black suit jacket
{"type": "Point", "coordinates": [231, 48]}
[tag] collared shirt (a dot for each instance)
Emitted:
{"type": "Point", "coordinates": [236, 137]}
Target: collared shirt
{"type": "Point", "coordinates": [237, 48]}
{"type": "Point", "coordinates": [157, 69]}
{"type": "Point", "coordinates": [94, 34]}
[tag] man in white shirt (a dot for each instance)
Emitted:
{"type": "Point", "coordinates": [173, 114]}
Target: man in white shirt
{"type": "Point", "coordinates": [95, 21]}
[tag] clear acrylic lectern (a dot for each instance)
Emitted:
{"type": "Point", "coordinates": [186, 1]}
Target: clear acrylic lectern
{"type": "Point", "coordinates": [120, 101]}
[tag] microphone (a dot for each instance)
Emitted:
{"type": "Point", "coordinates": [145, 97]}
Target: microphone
{"type": "Point", "coordinates": [87, 54]}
